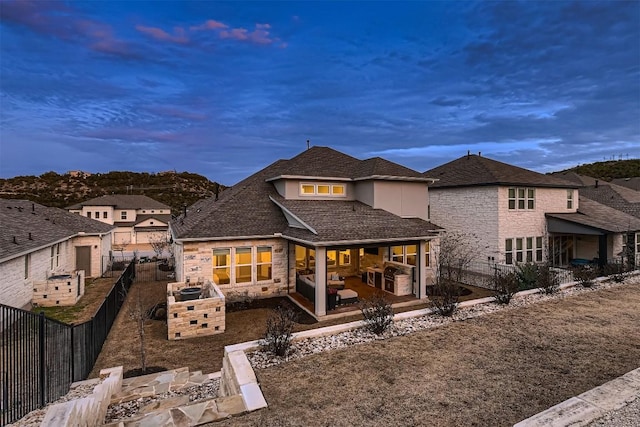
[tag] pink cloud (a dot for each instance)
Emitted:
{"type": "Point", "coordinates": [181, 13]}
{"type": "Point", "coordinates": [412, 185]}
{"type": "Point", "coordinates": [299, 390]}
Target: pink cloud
{"type": "Point", "coordinates": [55, 19]}
{"type": "Point", "coordinates": [179, 35]}
{"type": "Point", "coordinates": [259, 35]}
{"type": "Point", "coordinates": [210, 25]}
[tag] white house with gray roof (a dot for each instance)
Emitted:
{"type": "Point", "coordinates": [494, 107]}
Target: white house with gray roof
{"type": "Point", "coordinates": [321, 219]}
{"type": "Point", "coordinates": [39, 242]}
{"type": "Point", "coordinates": [516, 215]}
{"type": "Point", "coordinates": [137, 218]}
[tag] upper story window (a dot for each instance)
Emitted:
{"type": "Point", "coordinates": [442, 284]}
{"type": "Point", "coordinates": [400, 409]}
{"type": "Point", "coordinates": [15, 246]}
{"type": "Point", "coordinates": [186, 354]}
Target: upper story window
{"type": "Point", "coordinates": [329, 190]}
{"type": "Point", "coordinates": [89, 214]}
{"type": "Point", "coordinates": [104, 215]}
{"type": "Point", "coordinates": [569, 199]}
{"type": "Point", "coordinates": [522, 198]}
{"type": "Point", "coordinates": [97, 216]}
{"type": "Point", "coordinates": [123, 215]}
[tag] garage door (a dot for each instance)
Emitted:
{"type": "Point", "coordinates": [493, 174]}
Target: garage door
{"type": "Point", "coordinates": [144, 236]}
{"type": "Point", "coordinates": [121, 238]}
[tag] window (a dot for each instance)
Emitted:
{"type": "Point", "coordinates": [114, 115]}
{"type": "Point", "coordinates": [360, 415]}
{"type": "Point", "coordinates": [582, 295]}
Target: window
{"type": "Point", "coordinates": [508, 251]}
{"type": "Point", "coordinates": [519, 250]}
{"type": "Point", "coordinates": [427, 252]}
{"type": "Point", "coordinates": [123, 215]}
{"type": "Point", "coordinates": [404, 254]}
{"type": "Point", "coordinates": [522, 198]}
{"type": "Point", "coordinates": [153, 211]}
{"type": "Point", "coordinates": [529, 249]}
{"type": "Point", "coordinates": [323, 189]}
{"type": "Point", "coordinates": [308, 189]}
{"type": "Point", "coordinates": [97, 216]}
{"type": "Point", "coordinates": [104, 215]}
{"type": "Point", "coordinates": [569, 199]}
{"type": "Point", "coordinates": [344, 257]}
{"type": "Point", "coordinates": [244, 260]}
{"type": "Point", "coordinates": [89, 214]}
{"type": "Point", "coordinates": [264, 263]}
{"type": "Point", "coordinates": [27, 265]}
{"type": "Point", "coordinates": [222, 266]}
{"type": "Point", "coordinates": [538, 249]}
{"type": "Point", "coordinates": [337, 190]}
{"type": "Point", "coordinates": [55, 256]}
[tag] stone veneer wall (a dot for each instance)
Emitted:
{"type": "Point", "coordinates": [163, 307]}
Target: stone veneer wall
{"type": "Point", "coordinates": [90, 410]}
{"type": "Point", "coordinates": [62, 292]}
{"type": "Point", "coordinates": [198, 317]}
{"type": "Point", "coordinates": [197, 265]}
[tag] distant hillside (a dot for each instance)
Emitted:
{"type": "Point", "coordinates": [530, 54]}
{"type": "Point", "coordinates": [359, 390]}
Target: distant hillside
{"type": "Point", "coordinates": [609, 170]}
{"type": "Point", "coordinates": [52, 189]}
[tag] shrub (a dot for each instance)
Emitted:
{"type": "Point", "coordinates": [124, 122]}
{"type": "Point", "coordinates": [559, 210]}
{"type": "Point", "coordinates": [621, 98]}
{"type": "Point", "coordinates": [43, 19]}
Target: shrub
{"type": "Point", "coordinates": [527, 275]}
{"type": "Point", "coordinates": [280, 322]}
{"type": "Point", "coordinates": [446, 297]}
{"type": "Point", "coordinates": [585, 275]}
{"type": "Point", "coordinates": [505, 285]}
{"type": "Point", "coordinates": [377, 313]}
{"type": "Point", "coordinates": [615, 271]}
{"type": "Point", "coordinates": [548, 280]}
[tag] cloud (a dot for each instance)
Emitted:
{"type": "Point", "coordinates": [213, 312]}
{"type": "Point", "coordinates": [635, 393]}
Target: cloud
{"type": "Point", "coordinates": [259, 35]}
{"type": "Point", "coordinates": [179, 34]}
{"type": "Point", "coordinates": [209, 25]}
{"type": "Point", "coordinates": [56, 19]}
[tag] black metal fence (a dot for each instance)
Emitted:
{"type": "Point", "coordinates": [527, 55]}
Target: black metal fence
{"type": "Point", "coordinates": [481, 274]}
{"type": "Point", "coordinates": [41, 357]}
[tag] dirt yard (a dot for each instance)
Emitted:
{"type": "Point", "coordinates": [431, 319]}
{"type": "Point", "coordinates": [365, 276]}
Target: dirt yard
{"type": "Point", "coordinates": [494, 370]}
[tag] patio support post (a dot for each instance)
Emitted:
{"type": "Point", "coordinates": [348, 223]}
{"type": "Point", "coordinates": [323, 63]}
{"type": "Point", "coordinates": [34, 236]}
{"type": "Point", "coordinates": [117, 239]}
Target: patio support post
{"type": "Point", "coordinates": [602, 250]}
{"type": "Point", "coordinates": [421, 270]}
{"type": "Point", "coordinates": [321, 281]}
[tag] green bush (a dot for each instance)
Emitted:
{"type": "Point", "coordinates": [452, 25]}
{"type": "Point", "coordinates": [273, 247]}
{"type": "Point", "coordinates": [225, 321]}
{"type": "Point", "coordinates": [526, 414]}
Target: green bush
{"type": "Point", "coordinates": [527, 275]}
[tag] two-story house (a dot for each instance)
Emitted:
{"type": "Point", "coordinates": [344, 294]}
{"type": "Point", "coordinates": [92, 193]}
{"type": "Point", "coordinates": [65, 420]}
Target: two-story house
{"type": "Point", "coordinates": [39, 242]}
{"type": "Point", "coordinates": [517, 215]}
{"type": "Point", "coordinates": [321, 218]}
{"type": "Point", "coordinates": [136, 218]}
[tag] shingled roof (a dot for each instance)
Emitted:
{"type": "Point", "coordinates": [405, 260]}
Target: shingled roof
{"type": "Point", "coordinates": [615, 196]}
{"type": "Point", "coordinates": [601, 217]}
{"type": "Point", "coordinates": [34, 226]}
{"type": "Point", "coordinates": [474, 170]}
{"type": "Point", "coordinates": [122, 201]}
{"type": "Point", "coordinates": [247, 209]}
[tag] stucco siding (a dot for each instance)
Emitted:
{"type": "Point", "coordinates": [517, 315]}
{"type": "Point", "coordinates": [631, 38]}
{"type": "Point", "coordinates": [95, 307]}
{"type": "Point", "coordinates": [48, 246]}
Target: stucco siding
{"type": "Point", "coordinates": [364, 192]}
{"type": "Point", "coordinates": [292, 190]}
{"type": "Point", "coordinates": [405, 199]}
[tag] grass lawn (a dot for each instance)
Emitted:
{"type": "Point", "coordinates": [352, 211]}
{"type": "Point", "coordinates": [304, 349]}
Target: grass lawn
{"type": "Point", "coordinates": [494, 370]}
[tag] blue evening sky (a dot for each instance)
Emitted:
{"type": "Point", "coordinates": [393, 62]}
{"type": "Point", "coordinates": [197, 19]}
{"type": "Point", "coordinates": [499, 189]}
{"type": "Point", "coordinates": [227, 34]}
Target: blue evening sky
{"type": "Point", "coordinates": [225, 88]}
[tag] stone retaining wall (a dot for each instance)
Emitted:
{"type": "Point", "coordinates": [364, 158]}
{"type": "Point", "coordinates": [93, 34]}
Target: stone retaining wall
{"type": "Point", "coordinates": [238, 378]}
{"type": "Point", "coordinates": [198, 317]}
{"type": "Point", "coordinates": [90, 410]}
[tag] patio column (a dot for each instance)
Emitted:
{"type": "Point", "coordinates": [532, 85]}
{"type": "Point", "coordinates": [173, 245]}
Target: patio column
{"type": "Point", "coordinates": [421, 270]}
{"type": "Point", "coordinates": [321, 281]}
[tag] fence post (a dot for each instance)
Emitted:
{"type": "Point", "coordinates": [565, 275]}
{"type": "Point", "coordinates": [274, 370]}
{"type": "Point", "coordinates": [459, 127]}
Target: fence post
{"type": "Point", "coordinates": [41, 351]}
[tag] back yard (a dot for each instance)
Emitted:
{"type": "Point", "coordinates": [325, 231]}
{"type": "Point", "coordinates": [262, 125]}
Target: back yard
{"type": "Point", "coordinates": [494, 370]}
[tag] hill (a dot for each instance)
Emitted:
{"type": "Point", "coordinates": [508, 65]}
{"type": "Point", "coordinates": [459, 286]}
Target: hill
{"type": "Point", "coordinates": [608, 170]}
{"type": "Point", "coordinates": [52, 189]}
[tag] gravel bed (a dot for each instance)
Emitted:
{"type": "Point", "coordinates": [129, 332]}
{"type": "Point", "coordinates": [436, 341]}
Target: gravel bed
{"type": "Point", "coordinates": [260, 359]}
{"type": "Point", "coordinates": [627, 416]}
{"type": "Point", "coordinates": [196, 393]}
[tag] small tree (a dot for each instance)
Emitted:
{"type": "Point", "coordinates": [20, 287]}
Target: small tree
{"type": "Point", "coordinates": [159, 243]}
{"type": "Point", "coordinates": [377, 313]}
{"type": "Point", "coordinates": [505, 285]}
{"type": "Point", "coordinates": [279, 329]}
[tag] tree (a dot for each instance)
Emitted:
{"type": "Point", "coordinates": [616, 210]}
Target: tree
{"type": "Point", "coordinates": [159, 243]}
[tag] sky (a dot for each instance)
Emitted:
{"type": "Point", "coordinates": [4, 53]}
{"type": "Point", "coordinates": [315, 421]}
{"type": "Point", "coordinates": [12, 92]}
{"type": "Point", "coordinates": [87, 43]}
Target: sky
{"type": "Point", "coordinates": [224, 89]}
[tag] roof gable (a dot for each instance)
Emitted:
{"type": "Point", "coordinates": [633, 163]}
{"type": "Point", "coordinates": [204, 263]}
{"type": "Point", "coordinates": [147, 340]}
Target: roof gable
{"type": "Point", "coordinates": [123, 201]}
{"type": "Point", "coordinates": [474, 170]}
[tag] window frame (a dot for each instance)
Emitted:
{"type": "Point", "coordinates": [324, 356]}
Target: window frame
{"type": "Point", "coordinates": [261, 264]}
{"type": "Point", "coordinates": [427, 253]}
{"type": "Point", "coordinates": [313, 189]}
{"type": "Point", "coordinates": [227, 266]}
{"type": "Point", "coordinates": [123, 215]}
{"type": "Point", "coordinates": [105, 215]}
{"type": "Point", "coordinates": [508, 251]}
{"type": "Point", "coordinates": [521, 198]}
{"type": "Point", "coordinates": [237, 265]}
{"type": "Point", "coordinates": [569, 199]}
{"type": "Point", "coordinates": [27, 266]}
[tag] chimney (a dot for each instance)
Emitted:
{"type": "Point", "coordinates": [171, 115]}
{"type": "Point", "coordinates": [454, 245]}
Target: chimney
{"type": "Point", "coordinates": [596, 183]}
{"type": "Point", "coordinates": [479, 153]}
{"type": "Point", "coordinates": [468, 153]}
{"type": "Point", "coordinates": [33, 207]}
{"type": "Point", "coordinates": [308, 144]}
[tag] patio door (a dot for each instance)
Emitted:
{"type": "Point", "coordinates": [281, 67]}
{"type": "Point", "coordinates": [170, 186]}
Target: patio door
{"type": "Point", "coordinates": [562, 251]}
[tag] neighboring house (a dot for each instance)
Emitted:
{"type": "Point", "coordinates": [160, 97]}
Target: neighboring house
{"type": "Point", "coordinates": [38, 242]}
{"type": "Point", "coordinates": [517, 215]}
{"type": "Point", "coordinates": [632, 183]}
{"type": "Point", "coordinates": [323, 215]}
{"type": "Point", "coordinates": [137, 218]}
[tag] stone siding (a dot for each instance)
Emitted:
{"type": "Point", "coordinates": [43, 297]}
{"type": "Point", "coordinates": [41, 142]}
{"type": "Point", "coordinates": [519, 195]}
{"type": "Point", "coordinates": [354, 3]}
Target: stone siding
{"type": "Point", "coordinates": [195, 318]}
{"type": "Point", "coordinates": [59, 292]}
{"type": "Point", "coordinates": [196, 265]}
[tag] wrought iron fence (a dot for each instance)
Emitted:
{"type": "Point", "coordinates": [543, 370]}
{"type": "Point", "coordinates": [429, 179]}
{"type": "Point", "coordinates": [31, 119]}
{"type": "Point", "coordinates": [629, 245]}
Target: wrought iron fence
{"type": "Point", "coordinates": [41, 357]}
{"type": "Point", "coordinates": [479, 273]}
{"type": "Point", "coordinates": [147, 269]}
